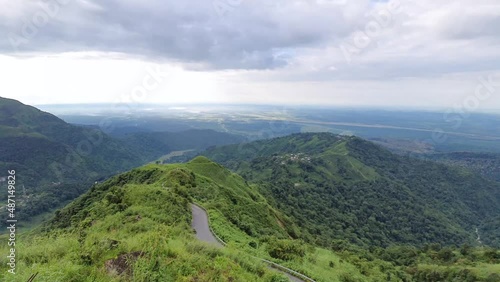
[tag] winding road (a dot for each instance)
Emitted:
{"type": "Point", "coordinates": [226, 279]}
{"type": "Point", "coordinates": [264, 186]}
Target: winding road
{"type": "Point", "coordinates": [201, 225]}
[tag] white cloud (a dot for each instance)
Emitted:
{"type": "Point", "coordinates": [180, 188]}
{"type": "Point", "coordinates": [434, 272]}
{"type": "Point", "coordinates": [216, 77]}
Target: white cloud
{"type": "Point", "coordinates": [425, 54]}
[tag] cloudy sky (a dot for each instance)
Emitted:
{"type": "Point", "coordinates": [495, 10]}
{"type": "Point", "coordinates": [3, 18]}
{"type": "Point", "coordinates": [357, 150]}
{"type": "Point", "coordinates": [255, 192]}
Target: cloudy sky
{"type": "Point", "coordinates": [406, 53]}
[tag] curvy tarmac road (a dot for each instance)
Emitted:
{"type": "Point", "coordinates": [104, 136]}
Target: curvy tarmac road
{"type": "Point", "coordinates": [201, 226]}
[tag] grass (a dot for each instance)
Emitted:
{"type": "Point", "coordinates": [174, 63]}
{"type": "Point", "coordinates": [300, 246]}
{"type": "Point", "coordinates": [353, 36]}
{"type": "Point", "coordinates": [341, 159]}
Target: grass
{"type": "Point", "coordinates": [150, 220]}
{"type": "Point", "coordinates": [144, 217]}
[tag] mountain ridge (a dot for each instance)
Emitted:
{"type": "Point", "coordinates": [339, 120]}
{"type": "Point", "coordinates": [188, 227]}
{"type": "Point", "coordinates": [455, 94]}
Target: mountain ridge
{"type": "Point", "coordinates": [143, 217]}
{"type": "Point", "coordinates": [56, 161]}
{"type": "Point", "coordinates": [353, 177]}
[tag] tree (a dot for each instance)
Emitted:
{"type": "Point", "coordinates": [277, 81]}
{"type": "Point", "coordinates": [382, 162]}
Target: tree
{"type": "Point", "coordinates": [446, 254]}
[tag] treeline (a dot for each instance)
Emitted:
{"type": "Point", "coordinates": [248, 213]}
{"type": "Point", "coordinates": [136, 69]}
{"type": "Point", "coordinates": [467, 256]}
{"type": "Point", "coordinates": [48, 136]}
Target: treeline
{"type": "Point", "coordinates": [432, 262]}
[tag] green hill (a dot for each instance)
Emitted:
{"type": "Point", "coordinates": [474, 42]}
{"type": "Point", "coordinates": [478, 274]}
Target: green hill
{"type": "Point", "coordinates": [344, 188]}
{"type": "Point", "coordinates": [55, 161]}
{"type": "Point", "coordinates": [136, 227]}
{"type": "Point", "coordinates": [201, 180]}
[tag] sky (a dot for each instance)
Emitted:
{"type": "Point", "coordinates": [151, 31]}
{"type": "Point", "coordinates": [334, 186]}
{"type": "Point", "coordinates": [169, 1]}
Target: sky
{"type": "Point", "coordinates": [400, 54]}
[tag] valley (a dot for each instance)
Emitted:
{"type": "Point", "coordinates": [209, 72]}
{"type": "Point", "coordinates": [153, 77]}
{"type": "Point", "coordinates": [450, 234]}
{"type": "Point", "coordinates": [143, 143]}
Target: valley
{"type": "Point", "coordinates": [330, 207]}
{"type": "Point", "coordinates": [146, 214]}
{"type": "Point", "coordinates": [57, 161]}
{"type": "Point", "coordinates": [250, 141]}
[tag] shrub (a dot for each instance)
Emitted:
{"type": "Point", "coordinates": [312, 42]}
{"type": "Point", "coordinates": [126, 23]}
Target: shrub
{"type": "Point", "coordinates": [286, 249]}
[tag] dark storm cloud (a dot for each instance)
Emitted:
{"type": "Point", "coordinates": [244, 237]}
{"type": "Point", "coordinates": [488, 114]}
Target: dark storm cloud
{"type": "Point", "coordinates": [241, 34]}
{"type": "Point", "coordinates": [425, 38]}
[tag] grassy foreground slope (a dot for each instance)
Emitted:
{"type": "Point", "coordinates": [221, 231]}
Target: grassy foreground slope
{"type": "Point", "coordinates": [136, 227]}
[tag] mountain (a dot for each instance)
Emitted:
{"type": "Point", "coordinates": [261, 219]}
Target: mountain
{"type": "Point", "coordinates": [55, 161]}
{"type": "Point", "coordinates": [153, 145]}
{"type": "Point", "coordinates": [135, 226]}
{"type": "Point", "coordinates": [204, 181]}
{"type": "Point", "coordinates": [32, 138]}
{"type": "Point", "coordinates": [334, 208]}
{"type": "Point", "coordinates": [341, 189]}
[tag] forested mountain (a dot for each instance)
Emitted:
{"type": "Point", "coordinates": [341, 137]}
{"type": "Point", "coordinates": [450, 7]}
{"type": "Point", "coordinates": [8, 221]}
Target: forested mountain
{"type": "Point", "coordinates": [136, 227]}
{"type": "Point", "coordinates": [344, 188]}
{"type": "Point", "coordinates": [335, 208]}
{"type": "Point", "coordinates": [485, 164]}
{"type": "Point", "coordinates": [54, 161]}
{"type": "Point", "coordinates": [153, 145]}
{"type": "Point", "coordinates": [38, 140]}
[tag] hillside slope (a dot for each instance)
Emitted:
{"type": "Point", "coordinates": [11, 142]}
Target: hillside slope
{"type": "Point", "coordinates": [54, 161]}
{"type": "Point", "coordinates": [204, 181]}
{"type": "Point", "coordinates": [136, 227]}
{"type": "Point", "coordinates": [346, 188]}
{"type": "Point", "coordinates": [152, 145]}
{"type": "Point", "coordinates": [36, 139]}
{"type": "Point", "coordinates": [485, 164]}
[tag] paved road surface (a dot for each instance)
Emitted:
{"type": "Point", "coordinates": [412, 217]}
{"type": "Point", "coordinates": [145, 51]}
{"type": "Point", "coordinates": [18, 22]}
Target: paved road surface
{"type": "Point", "coordinates": [203, 233]}
{"type": "Point", "coordinates": [200, 224]}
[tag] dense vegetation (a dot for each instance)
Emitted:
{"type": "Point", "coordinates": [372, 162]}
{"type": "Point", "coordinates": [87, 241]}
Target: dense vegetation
{"type": "Point", "coordinates": [485, 164]}
{"type": "Point", "coordinates": [152, 145]}
{"type": "Point", "coordinates": [133, 227]}
{"type": "Point", "coordinates": [334, 208]}
{"type": "Point", "coordinates": [56, 161]}
{"type": "Point", "coordinates": [136, 227]}
{"type": "Point", "coordinates": [345, 188]}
